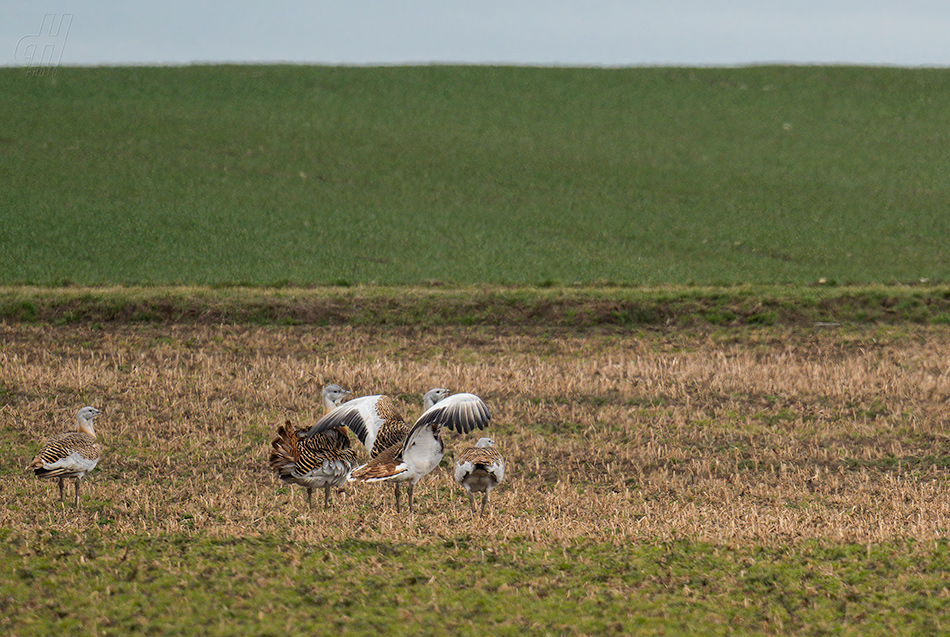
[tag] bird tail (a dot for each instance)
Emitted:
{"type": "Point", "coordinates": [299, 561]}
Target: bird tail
{"type": "Point", "coordinates": [39, 469]}
{"type": "Point", "coordinates": [285, 451]}
{"type": "Point", "coordinates": [41, 472]}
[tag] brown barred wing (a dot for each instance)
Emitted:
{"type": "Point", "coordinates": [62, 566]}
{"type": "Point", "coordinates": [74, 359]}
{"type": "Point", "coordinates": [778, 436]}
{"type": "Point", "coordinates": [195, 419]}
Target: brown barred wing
{"type": "Point", "coordinates": [384, 466]}
{"type": "Point", "coordinates": [67, 455]}
{"type": "Point", "coordinates": [374, 419]}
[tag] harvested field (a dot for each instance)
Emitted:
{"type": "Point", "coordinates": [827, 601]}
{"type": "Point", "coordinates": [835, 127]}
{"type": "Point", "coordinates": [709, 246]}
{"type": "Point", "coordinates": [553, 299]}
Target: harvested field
{"type": "Point", "coordinates": [753, 439]}
{"type": "Point", "coordinates": [724, 437]}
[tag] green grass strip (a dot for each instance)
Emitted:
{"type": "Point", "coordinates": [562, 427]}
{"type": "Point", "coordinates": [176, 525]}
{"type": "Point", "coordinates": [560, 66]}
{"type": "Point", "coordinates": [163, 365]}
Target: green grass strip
{"type": "Point", "coordinates": [545, 307]}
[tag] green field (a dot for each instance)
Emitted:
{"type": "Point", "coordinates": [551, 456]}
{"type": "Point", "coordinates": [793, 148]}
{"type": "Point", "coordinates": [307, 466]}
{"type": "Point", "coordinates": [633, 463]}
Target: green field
{"type": "Point", "coordinates": [465, 585]}
{"type": "Point", "coordinates": [297, 175]}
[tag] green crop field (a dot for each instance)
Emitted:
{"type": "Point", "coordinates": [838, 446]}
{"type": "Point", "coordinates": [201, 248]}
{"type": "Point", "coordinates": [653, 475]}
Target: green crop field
{"type": "Point", "coordinates": [221, 175]}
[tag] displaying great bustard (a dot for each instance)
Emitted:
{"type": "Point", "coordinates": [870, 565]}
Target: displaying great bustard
{"type": "Point", "coordinates": [479, 469]}
{"type": "Point", "coordinates": [320, 461]}
{"type": "Point", "coordinates": [70, 455]}
{"type": "Point", "coordinates": [421, 449]}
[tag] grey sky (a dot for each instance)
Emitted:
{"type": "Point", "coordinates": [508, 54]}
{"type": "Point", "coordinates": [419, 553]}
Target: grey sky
{"type": "Point", "coordinates": [566, 32]}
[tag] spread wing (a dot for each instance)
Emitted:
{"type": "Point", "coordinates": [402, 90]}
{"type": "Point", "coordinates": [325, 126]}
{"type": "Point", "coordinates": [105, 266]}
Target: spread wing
{"type": "Point", "coordinates": [364, 416]}
{"type": "Point", "coordinates": [462, 413]}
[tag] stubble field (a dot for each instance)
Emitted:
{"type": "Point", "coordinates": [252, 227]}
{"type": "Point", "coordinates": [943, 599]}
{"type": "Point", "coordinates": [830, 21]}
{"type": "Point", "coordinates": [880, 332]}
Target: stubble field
{"type": "Point", "coordinates": [731, 481]}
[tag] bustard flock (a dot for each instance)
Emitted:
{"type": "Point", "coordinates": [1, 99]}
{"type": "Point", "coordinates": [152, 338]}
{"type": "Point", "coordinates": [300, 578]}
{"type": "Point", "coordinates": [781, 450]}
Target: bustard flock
{"type": "Point", "coordinates": [321, 457]}
{"type": "Point", "coordinates": [397, 452]}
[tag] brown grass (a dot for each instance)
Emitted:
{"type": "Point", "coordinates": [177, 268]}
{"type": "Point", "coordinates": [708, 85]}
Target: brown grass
{"type": "Point", "coordinates": [734, 437]}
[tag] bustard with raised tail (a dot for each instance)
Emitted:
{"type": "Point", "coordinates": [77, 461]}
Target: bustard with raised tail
{"type": "Point", "coordinates": [479, 469]}
{"type": "Point", "coordinates": [318, 462]}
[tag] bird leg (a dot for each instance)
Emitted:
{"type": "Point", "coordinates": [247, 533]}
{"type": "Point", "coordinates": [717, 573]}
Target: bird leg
{"type": "Point", "coordinates": [310, 497]}
{"type": "Point", "coordinates": [471, 501]}
{"type": "Point", "coordinates": [397, 497]}
{"type": "Point", "coordinates": [326, 496]}
{"type": "Point", "coordinates": [484, 502]}
{"type": "Point", "coordinates": [76, 504]}
{"type": "Point", "coordinates": [410, 497]}
{"type": "Point", "coordinates": [61, 497]}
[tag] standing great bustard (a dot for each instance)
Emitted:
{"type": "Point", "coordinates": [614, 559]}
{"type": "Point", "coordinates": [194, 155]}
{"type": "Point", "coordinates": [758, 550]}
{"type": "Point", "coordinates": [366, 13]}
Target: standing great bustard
{"type": "Point", "coordinates": [321, 461]}
{"type": "Point", "coordinates": [421, 450]}
{"type": "Point", "coordinates": [479, 469]}
{"type": "Point", "coordinates": [70, 455]}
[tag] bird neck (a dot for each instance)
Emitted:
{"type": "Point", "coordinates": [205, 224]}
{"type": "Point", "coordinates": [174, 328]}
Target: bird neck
{"type": "Point", "coordinates": [86, 427]}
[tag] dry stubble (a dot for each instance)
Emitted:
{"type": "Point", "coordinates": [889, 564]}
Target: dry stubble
{"type": "Point", "coordinates": [746, 436]}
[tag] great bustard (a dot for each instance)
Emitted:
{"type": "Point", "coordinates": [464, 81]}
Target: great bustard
{"type": "Point", "coordinates": [70, 455]}
{"type": "Point", "coordinates": [321, 461]}
{"type": "Point", "coordinates": [421, 451]}
{"type": "Point", "coordinates": [479, 469]}
{"type": "Point", "coordinates": [376, 422]}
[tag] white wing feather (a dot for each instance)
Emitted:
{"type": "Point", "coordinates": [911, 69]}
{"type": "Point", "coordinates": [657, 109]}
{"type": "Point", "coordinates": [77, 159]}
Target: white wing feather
{"type": "Point", "coordinates": [74, 462]}
{"type": "Point", "coordinates": [359, 415]}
